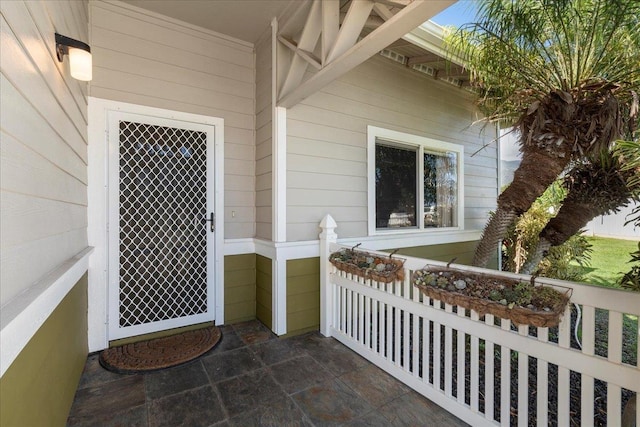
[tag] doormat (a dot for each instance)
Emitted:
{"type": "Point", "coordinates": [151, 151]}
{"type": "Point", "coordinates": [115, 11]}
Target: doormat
{"type": "Point", "coordinates": [160, 353]}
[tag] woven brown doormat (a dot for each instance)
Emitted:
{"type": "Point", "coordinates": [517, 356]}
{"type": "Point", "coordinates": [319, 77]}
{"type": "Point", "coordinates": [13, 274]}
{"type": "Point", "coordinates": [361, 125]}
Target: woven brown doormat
{"type": "Point", "coordinates": [160, 353]}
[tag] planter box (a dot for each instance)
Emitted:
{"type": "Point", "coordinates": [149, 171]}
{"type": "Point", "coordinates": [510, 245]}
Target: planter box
{"type": "Point", "coordinates": [368, 265]}
{"type": "Point", "coordinates": [493, 294]}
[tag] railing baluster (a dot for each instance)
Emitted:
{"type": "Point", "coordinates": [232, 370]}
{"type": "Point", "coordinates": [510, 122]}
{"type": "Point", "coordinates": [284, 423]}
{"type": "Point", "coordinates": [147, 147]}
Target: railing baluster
{"type": "Point", "coordinates": [505, 379]}
{"type": "Point", "coordinates": [397, 345]}
{"type": "Point", "coordinates": [375, 334]}
{"type": "Point", "coordinates": [406, 348]}
{"type": "Point", "coordinates": [523, 382]}
{"type": "Point", "coordinates": [489, 372]}
{"type": "Point", "coordinates": [415, 348]}
{"type": "Point", "coordinates": [349, 313]}
{"type": "Point", "coordinates": [382, 331]}
{"type": "Point", "coordinates": [367, 322]}
{"type": "Point", "coordinates": [461, 359]}
{"type": "Point", "coordinates": [588, 347]}
{"type": "Point", "coordinates": [389, 313]}
{"type": "Point", "coordinates": [542, 382]}
{"type": "Point", "coordinates": [426, 368]}
{"type": "Point", "coordinates": [614, 347]}
{"type": "Point", "coordinates": [437, 355]}
{"type": "Point", "coordinates": [564, 340]}
{"type": "Point", "coordinates": [343, 309]}
{"type": "Point", "coordinates": [448, 354]}
{"type": "Point", "coordinates": [475, 370]}
{"type": "Point", "coordinates": [361, 317]}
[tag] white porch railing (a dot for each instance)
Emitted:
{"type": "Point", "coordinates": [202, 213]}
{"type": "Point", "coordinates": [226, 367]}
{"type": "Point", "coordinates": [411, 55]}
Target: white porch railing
{"type": "Point", "coordinates": [466, 364]}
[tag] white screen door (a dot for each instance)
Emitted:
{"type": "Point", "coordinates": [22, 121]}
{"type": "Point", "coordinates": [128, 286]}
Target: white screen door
{"type": "Point", "coordinates": [161, 224]}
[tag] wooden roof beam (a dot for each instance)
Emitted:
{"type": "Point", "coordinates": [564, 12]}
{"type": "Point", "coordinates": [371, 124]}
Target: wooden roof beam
{"type": "Point", "coordinates": [395, 3]}
{"type": "Point", "coordinates": [394, 28]}
{"type": "Point", "coordinates": [308, 56]}
{"type": "Point", "coordinates": [307, 43]}
{"type": "Point", "coordinates": [351, 27]}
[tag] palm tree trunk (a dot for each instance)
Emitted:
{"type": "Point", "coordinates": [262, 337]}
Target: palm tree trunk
{"type": "Point", "coordinates": [571, 218]}
{"type": "Point", "coordinates": [537, 171]}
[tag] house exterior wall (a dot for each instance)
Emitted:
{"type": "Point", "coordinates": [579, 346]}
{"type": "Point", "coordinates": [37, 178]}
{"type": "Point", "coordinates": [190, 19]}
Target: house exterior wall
{"type": "Point", "coordinates": [263, 140]}
{"type": "Point", "coordinates": [39, 386]}
{"type": "Point", "coordinates": [327, 140]}
{"type": "Point", "coordinates": [264, 272]}
{"type": "Point", "coordinates": [43, 173]}
{"type": "Point", "coordinates": [303, 295]}
{"type": "Point", "coordinates": [43, 210]}
{"type": "Point", "coordinates": [462, 252]}
{"type": "Point", "coordinates": [239, 288]}
{"type": "Point", "coordinates": [143, 58]}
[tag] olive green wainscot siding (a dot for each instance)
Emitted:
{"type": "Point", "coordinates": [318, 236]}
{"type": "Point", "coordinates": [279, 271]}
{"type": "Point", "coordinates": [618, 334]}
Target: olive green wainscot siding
{"type": "Point", "coordinates": [303, 295]}
{"type": "Point", "coordinates": [39, 386]}
{"type": "Point", "coordinates": [462, 252]}
{"type": "Point", "coordinates": [239, 288]}
{"type": "Point", "coordinates": [263, 290]}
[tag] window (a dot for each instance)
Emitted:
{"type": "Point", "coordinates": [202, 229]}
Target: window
{"type": "Point", "coordinates": [415, 183]}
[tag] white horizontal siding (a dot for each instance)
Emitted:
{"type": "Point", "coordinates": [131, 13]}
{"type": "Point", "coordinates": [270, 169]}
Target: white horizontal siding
{"type": "Point", "coordinates": [43, 156]}
{"type": "Point", "coordinates": [327, 140]}
{"type": "Point", "coordinates": [263, 158]}
{"type": "Point", "coordinates": [142, 59]}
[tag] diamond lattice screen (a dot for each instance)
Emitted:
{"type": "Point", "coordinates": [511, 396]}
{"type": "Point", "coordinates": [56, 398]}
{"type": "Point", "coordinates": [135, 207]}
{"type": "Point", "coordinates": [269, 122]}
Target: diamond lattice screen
{"type": "Point", "coordinates": [163, 268]}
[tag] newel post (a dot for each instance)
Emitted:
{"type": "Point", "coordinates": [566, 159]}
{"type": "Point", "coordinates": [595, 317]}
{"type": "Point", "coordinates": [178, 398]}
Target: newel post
{"type": "Point", "coordinates": [327, 237]}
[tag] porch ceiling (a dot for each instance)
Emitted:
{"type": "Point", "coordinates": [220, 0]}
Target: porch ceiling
{"type": "Point", "coordinates": [243, 19]}
{"type": "Point", "coordinates": [249, 19]}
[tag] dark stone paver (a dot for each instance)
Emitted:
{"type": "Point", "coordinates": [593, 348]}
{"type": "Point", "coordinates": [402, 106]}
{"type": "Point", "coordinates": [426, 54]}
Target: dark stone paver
{"type": "Point", "coordinates": [277, 351]}
{"type": "Point", "coordinates": [253, 378]}
{"type": "Point", "coordinates": [196, 407]}
{"type": "Point", "coordinates": [103, 402]}
{"type": "Point", "coordinates": [375, 385]}
{"type": "Point", "coordinates": [412, 409]}
{"type": "Point", "coordinates": [283, 412]}
{"type": "Point", "coordinates": [231, 364]}
{"type": "Point", "coordinates": [253, 332]}
{"type": "Point", "coordinates": [331, 403]}
{"type": "Point", "coordinates": [175, 380]}
{"type": "Point", "coordinates": [300, 373]}
{"type": "Point", "coordinates": [246, 392]}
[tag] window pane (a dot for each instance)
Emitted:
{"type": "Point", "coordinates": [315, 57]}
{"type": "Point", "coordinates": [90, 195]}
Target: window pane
{"type": "Point", "coordinates": [395, 187]}
{"type": "Point", "coordinates": [440, 190]}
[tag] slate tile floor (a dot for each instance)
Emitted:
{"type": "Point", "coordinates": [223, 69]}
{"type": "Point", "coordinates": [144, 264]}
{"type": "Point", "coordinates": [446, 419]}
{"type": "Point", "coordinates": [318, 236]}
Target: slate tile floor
{"type": "Point", "coordinates": [253, 378]}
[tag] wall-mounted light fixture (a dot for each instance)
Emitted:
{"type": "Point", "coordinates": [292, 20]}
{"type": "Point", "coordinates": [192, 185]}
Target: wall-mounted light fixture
{"type": "Point", "coordinates": [79, 56]}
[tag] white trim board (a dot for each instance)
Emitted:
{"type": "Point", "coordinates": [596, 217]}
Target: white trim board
{"type": "Point", "coordinates": [311, 248]}
{"type": "Point", "coordinates": [22, 316]}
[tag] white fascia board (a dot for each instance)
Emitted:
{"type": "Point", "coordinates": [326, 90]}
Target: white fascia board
{"type": "Point", "coordinates": [430, 37]}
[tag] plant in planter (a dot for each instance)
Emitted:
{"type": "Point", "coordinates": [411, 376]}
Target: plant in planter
{"type": "Point", "coordinates": [520, 301]}
{"type": "Point", "coordinates": [368, 265]}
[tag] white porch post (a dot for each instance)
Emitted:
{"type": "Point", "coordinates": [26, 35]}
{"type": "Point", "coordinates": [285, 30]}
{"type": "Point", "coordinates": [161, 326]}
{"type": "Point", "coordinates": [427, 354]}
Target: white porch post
{"type": "Point", "coordinates": [327, 236]}
{"type": "Point", "coordinates": [278, 192]}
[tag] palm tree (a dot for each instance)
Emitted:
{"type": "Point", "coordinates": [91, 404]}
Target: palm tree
{"type": "Point", "coordinates": [565, 73]}
{"type": "Point", "coordinates": [597, 187]}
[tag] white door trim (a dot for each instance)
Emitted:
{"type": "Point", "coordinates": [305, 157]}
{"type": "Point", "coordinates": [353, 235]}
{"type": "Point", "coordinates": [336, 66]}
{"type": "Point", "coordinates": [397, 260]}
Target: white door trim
{"type": "Point", "coordinates": [97, 232]}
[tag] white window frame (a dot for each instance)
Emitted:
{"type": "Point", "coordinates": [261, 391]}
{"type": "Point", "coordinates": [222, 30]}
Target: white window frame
{"type": "Point", "coordinates": [420, 143]}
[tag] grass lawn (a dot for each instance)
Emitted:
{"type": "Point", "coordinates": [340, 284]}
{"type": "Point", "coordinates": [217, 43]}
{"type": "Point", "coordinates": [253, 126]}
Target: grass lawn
{"type": "Point", "coordinates": [609, 260]}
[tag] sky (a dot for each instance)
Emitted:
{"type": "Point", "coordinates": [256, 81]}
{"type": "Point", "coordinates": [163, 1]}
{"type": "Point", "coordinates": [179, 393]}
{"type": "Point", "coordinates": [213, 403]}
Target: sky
{"type": "Point", "coordinates": [461, 12]}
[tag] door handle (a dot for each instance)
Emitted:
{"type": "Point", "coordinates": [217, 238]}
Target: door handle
{"type": "Point", "coordinates": [212, 221]}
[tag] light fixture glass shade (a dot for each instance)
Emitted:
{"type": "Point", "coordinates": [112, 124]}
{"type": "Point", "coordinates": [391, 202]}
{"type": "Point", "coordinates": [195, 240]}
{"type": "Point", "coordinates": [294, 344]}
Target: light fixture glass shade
{"type": "Point", "coordinates": [80, 64]}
